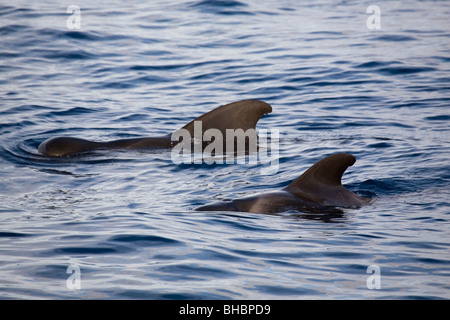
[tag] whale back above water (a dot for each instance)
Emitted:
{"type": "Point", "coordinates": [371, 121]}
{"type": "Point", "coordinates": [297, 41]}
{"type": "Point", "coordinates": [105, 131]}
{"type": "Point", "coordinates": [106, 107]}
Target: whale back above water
{"type": "Point", "coordinates": [237, 115]}
{"type": "Point", "coordinates": [318, 187]}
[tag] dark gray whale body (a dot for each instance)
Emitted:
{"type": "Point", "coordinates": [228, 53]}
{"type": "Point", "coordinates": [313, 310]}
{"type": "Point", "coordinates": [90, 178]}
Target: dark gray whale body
{"type": "Point", "coordinates": [237, 115]}
{"type": "Point", "coordinates": [317, 188]}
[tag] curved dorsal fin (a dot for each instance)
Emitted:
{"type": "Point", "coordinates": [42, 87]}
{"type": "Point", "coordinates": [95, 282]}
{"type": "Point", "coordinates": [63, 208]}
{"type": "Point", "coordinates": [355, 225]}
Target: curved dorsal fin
{"type": "Point", "coordinates": [237, 115]}
{"type": "Point", "coordinates": [327, 171]}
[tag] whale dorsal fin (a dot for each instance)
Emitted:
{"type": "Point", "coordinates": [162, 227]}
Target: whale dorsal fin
{"type": "Point", "coordinates": [326, 172]}
{"type": "Point", "coordinates": [321, 183]}
{"type": "Point", "coordinates": [237, 115]}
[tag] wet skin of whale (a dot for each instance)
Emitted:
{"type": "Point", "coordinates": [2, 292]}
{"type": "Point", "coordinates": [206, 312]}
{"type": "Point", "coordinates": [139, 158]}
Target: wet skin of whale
{"type": "Point", "coordinates": [237, 115]}
{"type": "Point", "coordinates": [319, 187]}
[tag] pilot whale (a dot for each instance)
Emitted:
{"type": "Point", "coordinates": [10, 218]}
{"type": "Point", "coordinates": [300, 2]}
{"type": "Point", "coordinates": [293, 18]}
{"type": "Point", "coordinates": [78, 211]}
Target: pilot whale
{"type": "Point", "coordinates": [237, 115]}
{"type": "Point", "coordinates": [318, 188]}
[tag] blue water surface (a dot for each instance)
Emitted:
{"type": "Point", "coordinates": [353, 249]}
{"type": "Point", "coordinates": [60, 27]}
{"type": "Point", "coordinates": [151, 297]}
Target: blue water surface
{"type": "Point", "coordinates": [146, 68]}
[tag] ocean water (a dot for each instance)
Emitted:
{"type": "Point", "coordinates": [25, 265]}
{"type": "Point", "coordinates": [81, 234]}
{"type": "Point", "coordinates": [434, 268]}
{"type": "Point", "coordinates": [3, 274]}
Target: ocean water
{"type": "Point", "coordinates": [124, 224]}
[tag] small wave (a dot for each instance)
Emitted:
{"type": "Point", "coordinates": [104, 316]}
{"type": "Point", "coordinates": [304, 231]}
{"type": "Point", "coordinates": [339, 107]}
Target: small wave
{"type": "Point", "coordinates": [219, 4]}
{"type": "Point", "coordinates": [404, 70]}
{"type": "Point", "coordinates": [72, 111]}
{"type": "Point", "coordinates": [395, 38]}
{"type": "Point", "coordinates": [25, 152]}
{"type": "Point", "coordinates": [25, 108]}
{"type": "Point", "coordinates": [380, 145]}
{"type": "Point", "coordinates": [13, 28]}
{"type": "Point", "coordinates": [223, 7]}
{"type": "Point", "coordinates": [77, 35]}
{"type": "Point", "coordinates": [85, 250]}
{"type": "Point", "coordinates": [392, 67]}
{"type": "Point", "coordinates": [375, 64]}
{"type": "Point", "coordinates": [389, 186]}
{"type": "Point", "coordinates": [442, 117]}
{"type": "Point", "coordinates": [67, 54]}
{"type": "Point", "coordinates": [191, 272]}
{"type": "Point", "coordinates": [14, 235]}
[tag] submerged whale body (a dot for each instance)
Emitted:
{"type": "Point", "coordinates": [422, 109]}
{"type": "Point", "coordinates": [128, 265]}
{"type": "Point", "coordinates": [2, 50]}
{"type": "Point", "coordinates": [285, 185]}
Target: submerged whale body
{"type": "Point", "coordinates": [317, 188]}
{"type": "Point", "coordinates": [237, 115]}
